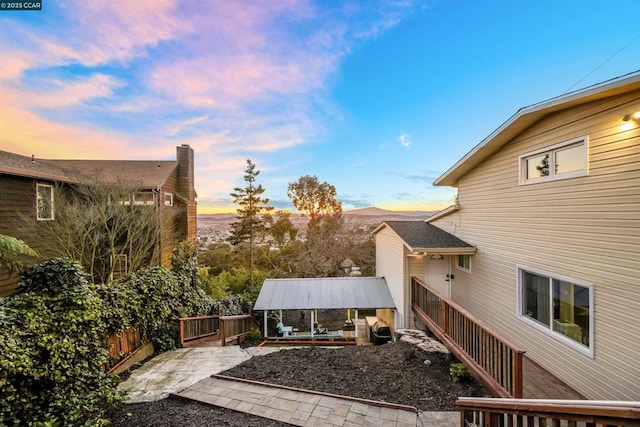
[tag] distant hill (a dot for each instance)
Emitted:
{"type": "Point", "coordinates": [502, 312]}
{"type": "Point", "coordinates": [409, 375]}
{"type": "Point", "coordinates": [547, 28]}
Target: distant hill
{"type": "Point", "coordinates": [373, 211]}
{"type": "Point", "coordinates": [362, 212]}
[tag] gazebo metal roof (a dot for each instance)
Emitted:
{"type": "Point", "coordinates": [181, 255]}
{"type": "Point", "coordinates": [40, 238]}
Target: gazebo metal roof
{"type": "Point", "coordinates": [324, 293]}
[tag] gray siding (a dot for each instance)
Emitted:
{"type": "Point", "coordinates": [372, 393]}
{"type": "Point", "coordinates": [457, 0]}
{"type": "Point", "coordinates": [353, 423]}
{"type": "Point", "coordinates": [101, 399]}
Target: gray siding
{"type": "Point", "coordinates": [585, 228]}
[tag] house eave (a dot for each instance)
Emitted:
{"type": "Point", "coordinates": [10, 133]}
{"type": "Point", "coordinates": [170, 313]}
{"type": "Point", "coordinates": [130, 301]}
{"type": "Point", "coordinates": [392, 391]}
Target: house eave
{"type": "Point", "coordinates": [444, 251]}
{"type": "Point", "coordinates": [444, 212]}
{"type": "Point", "coordinates": [34, 174]}
{"type": "Point", "coordinates": [527, 116]}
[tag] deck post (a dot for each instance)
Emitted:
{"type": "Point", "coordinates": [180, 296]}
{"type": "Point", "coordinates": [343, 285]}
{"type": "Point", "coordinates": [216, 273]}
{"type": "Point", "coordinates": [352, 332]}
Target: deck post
{"type": "Point", "coordinates": [356, 322]}
{"type": "Point", "coordinates": [265, 323]}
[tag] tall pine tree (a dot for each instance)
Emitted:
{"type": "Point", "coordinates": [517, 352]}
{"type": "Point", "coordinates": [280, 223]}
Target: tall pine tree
{"type": "Point", "coordinates": [250, 221]}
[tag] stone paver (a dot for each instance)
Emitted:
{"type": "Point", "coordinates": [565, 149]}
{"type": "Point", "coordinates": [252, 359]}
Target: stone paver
{"type": "Point", "coordinates": [307, 408]}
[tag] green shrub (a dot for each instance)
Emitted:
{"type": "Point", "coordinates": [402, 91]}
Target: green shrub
{"type": "Point", "coordinates": [459, 372]}
{"type": "Point", "coordinates": [52, 336]}
{"type": "Point", "coordinates": [51, 349]}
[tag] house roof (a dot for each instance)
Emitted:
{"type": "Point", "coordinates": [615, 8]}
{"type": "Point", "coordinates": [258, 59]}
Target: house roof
{"type": "Point", "coordinates": [324, 293]}
{"type": "Point", "coordinates": [420, 236]}
{"type": "Point", "coordinates": [527, 116]}
{"type": "Point", "coordinates": [142, 174]}
{"type": "Point", "coordinates": [15, 164]}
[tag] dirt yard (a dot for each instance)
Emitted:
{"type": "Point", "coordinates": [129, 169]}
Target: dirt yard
{"type": "Point", "coordinates": [397, 373]}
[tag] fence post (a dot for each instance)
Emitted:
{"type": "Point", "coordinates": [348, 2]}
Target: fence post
{"type": "Point", "coordinates": [223, 336]}
{"type": "Point", "coordinates": [181, 332]}
{"type": "Point", "coordinates": [517, 375]}
{"type": "Point", "coordinates": [445, 317]}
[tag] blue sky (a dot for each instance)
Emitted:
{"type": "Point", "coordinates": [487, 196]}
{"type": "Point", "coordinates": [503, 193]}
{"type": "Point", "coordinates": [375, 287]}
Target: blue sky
{"type": "Point", "coordinates": [377, 98]}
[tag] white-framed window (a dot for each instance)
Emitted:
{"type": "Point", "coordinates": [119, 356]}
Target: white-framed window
{"type": "Point", "coordinates": [146, 198]}
{"type": "Point", "coordinates": [561, 307]}
{"type": "Point", "coordinates": [463, 262]}
{"type": "Point", "coordinates": [120, 266]}
{"type": "Point", "coordinates": [168, 199]}
{"type": "Point", "coordinates": [44, 202]}
{"type": "Point", "coordinates": [569, 159]}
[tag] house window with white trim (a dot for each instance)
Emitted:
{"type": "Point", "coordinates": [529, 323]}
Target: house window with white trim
{"type": "Point", "coordinates": [463, 262]}
{"type": "Point", "coordinates": [146, 198]}
{"type": "Point", "coordinates": [568, 159]}
{"type": "Point", "coordinates": [557, 305]}
{"type": "Point", "coordinates": [168, 199]}
{"type": "Point", "coordinates": [44, 202]}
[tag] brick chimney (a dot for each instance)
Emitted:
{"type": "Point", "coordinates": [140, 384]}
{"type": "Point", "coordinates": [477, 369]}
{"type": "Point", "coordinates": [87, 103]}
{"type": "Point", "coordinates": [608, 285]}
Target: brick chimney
{"type": "Point", "coordinates": [186, 188]}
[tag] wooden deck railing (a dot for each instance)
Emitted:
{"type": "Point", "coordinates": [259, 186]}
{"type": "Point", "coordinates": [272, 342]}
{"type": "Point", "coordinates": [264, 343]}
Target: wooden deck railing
{"type": "Point", "coordinates": [538, 412]}
{"type": "Point", "coordinates": [495, 361]}
{"type": "Point", "coordinates": [236, 327]}
{"type": "Point", "coordinates": [195, 330]}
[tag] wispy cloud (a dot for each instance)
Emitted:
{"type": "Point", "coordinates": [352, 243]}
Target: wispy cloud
{"type": "Point", "coordinates": [405, 140]}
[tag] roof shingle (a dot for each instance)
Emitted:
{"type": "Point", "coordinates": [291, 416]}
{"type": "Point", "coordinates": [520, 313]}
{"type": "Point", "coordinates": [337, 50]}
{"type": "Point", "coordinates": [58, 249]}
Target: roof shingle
{"type": "Point", "coordinates": [422, 235]}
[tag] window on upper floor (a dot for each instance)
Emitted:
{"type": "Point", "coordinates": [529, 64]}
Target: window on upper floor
{"type": "Point", "coordinates": [44, 202]}
{"type": "Point", "coordinates": [568, 159]}
{"type": "Point", "coordinates": [558, 306]}
{"type": "Point", "coordinates": [463, 262]}
{"type": "Point", "coordinates": [168, 199]}
{"type": "Point", "coordinates": [146, 198]}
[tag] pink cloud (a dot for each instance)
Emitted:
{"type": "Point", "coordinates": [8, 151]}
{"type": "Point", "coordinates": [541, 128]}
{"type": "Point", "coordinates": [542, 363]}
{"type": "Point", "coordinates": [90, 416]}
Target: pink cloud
{"type": "Point", "coordinates": [64, 94]}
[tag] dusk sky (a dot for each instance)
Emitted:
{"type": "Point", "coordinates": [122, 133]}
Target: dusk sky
{"type": "Point", "coordinates": [377, 98]}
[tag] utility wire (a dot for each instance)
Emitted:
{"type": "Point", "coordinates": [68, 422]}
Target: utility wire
{"type": "Point", "coordinates": [602, 63]}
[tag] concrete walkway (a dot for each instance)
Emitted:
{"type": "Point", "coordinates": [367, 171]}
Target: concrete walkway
{"type": "Point", "coordinates": [190, 373]}
{"type": "Point", "coordinates": [175, 370]}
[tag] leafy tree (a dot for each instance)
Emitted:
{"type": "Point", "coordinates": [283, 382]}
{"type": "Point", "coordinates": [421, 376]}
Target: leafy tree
{"type": "Point", "coordinates": [281, 229]}
{"type": "Point", "coordinates": [249, 219]}
{"type": "Point", "coordinates": [314, 198]}
{"type": "Point", "coordinates": [12, 250]}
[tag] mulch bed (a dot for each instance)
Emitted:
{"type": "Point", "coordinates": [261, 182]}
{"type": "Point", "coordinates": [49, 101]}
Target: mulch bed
{"type": "Point", "coordinates": [394, 372]}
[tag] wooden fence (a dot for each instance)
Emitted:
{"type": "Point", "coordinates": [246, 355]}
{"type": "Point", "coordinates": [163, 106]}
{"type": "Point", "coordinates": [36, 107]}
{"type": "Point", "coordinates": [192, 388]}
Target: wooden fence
{"type": "Point", "coordinates": [495, 361]}
{"type": "Point", "coordinates": [484, 412]}
{"type": "Point", "coordinates": [235, 328]}
{"type": "Point", "coordinates": [196, 330]}
{"type": "Point", "coordinates": [121, 345]}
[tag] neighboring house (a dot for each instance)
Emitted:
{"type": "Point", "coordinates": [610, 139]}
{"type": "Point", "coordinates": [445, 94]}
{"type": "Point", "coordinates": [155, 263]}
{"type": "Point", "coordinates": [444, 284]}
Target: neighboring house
{"type": "Point", "coordinates": [27, 187]}
{"type": "Point", "coordinates": [551, 201]}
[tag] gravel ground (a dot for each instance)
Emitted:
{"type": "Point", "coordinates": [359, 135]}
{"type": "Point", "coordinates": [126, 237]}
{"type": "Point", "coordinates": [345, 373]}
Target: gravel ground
{"type": "Point", "coordinates": [397, 373]}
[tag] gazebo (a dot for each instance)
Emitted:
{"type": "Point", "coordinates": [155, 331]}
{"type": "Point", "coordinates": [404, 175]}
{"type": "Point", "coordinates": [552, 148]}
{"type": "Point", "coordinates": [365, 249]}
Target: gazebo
{"type": "Point", "coordinates": [358, 293]}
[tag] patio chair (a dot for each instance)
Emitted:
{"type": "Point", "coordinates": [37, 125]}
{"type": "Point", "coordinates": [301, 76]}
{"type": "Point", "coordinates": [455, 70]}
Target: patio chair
{"type": "Point", "coordinates": [284, 331]}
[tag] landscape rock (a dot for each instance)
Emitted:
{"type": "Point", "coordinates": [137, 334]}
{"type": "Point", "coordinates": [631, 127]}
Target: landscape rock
{"type": "Point", "coordinates": [421, 340]}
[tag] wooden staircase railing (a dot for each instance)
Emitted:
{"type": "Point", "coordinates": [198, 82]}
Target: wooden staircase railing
{"type": "Point", "coordinates": [483, 412]}
{"type": "Point", "coordinates": [196, 330]}
{"type": "Point", "coordinates": [492, 359]}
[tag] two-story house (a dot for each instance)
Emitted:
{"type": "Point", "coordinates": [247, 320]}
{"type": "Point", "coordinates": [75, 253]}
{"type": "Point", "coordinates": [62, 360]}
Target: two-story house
{"type": "Point", "coordinates": [28, 186]}
{"type": "Point", "coordinates": [548, 229]}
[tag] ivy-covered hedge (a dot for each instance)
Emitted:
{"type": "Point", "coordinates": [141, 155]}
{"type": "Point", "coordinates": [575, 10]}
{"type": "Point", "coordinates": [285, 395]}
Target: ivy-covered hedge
{"type": "Point", "coordinates": [52, 336]}
{"type": "Point", "coordinates": [51, 349]}
{"type": "Point", "coordinates": [154, 299]}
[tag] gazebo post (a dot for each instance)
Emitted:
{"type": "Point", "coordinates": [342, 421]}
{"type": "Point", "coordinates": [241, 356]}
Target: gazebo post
{"type": "Point", "coordinates": [281, 317]}
{"type": "Point", "coordinates": [312, 322]}
{"type": "Point", "coordinates": [265, 323]}
{"type": "Point", "coordinates": [356, 322]}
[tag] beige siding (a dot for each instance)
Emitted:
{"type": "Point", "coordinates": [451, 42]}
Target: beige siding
{"type": "Point", "coordinates": [390, 265]}
{"type": "Point", "coordinates": [585, 228]}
